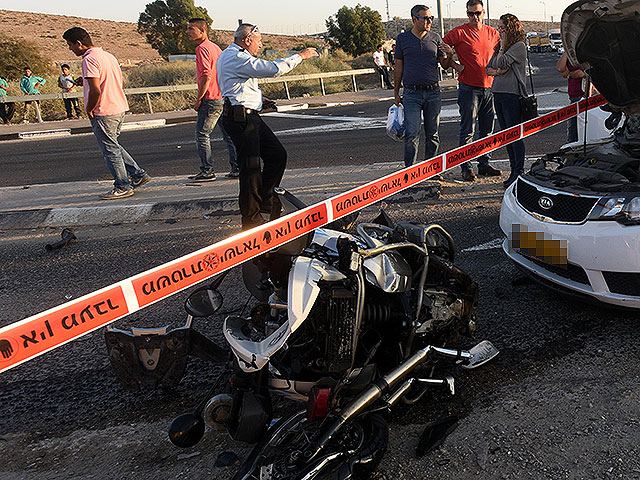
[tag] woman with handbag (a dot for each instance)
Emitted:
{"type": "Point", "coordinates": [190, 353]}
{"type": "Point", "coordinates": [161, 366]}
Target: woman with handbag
{"type": "Point", "coordinates": [507, 66]}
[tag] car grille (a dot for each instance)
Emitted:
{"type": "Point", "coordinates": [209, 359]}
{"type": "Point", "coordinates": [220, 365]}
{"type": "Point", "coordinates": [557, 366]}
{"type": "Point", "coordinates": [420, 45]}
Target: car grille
{"type": "Point", "coordinates": [566, 208]}
{"type": "Point", "coordinates": [623, 283]}
{"type": "Point", "coordinates": [570, 271]}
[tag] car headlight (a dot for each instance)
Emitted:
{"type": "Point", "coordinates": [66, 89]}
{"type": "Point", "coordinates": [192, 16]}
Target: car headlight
{"type": "Point", "coordinates": [624, 210]}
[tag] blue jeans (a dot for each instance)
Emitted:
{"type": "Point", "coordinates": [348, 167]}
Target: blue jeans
{"type": "Point", "coordinates": [572, 124]}
{"type": "Point", "coordinates": [106, 128]}
{"type": "Point", "coordinates": [427, 103]}
{"type": "Point", "coordinates": [208, 115]}
{"type": "Point", "coordinates": [475, 104]}
{"type": "Point", "coordinates": [508, 111]}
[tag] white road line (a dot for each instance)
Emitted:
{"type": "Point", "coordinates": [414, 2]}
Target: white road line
{"type": "Point", "coordinates": [334, 118]}
{"type": "Point", "coordinates": [495, 243]}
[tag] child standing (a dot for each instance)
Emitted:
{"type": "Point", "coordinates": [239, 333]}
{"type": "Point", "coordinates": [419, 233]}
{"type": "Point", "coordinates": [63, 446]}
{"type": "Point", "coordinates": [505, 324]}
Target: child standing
{"type": "Point", "coordinates": [66, 83]}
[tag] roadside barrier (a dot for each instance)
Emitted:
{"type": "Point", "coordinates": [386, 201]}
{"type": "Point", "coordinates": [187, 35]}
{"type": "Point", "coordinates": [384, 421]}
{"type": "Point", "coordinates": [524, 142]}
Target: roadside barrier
{"type": "Point", "coordinates": [35, 335]}
{"type": "Point", "coordinates": [146, 91]}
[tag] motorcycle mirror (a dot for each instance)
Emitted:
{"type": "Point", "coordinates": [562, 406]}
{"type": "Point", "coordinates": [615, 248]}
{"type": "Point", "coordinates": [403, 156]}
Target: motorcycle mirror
{"type": "Point", "coordinates": [203, 302]}
{"type": "Point", "coordinates": [186, 430]}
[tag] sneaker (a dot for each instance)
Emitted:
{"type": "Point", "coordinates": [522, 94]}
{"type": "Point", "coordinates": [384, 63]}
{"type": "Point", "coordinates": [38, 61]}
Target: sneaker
{"type": "Point", "coordinates": [138, 182]}
{"type": "Point", "coordinates": [468, 175]}
{"type": "Point", "coordinates": [233, 174]}
{"type": "Point", "coordinates": [203, 177]}
{"type": "Point", "coordinates": [488, 171]}
{"type": "Point", "coordinates": [117, 193]}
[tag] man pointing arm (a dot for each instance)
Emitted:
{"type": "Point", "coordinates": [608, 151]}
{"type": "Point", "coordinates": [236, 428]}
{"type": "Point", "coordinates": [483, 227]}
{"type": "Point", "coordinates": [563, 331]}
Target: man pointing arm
{"type": "Point", "coordinates": [238, 74]}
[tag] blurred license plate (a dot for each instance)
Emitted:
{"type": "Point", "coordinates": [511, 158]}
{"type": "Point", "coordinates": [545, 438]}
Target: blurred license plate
{"type": "Point", "coordinates": [538, 245]}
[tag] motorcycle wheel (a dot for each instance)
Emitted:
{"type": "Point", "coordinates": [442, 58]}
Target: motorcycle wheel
{"type": "Point", "coordinates": [353, 453]}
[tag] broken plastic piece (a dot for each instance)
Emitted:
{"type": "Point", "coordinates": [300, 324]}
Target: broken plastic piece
{"type": "Point", "coordinates": [435, 433]}
{"type": "Point", "coordinates": [67, 237]}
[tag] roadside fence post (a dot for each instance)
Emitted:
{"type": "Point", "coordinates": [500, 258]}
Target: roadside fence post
{"type": "Point", "coordinates": [149, 102]}
{"type": "Point", "coordinates": [37, 107]}
{"type": "Point", "coordinates": [322, 86]}
{"type": "Point", "coordinates": [355, 86]}
{"type": "Point", "coordinates": [286, 88]}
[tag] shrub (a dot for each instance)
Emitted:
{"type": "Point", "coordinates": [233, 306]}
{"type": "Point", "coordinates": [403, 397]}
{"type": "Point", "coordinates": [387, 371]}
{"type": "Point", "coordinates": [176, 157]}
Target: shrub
{"type": "Point", "coordinates": [17, 54]}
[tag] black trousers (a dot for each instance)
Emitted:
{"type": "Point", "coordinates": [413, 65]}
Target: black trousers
{"type": "Point", "coordinates": [6, 111]}
{"type": "Point", "coordinates": [254, 140]}
{"type": "Point", "coordinates": [71, 102]}
{"type": "Point", "coordinates": [386, 75]}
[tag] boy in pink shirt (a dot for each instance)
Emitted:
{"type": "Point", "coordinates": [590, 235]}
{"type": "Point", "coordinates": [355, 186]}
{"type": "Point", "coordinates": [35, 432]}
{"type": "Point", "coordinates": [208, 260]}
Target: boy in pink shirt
{"type": "Point", "coordinates": [105, 103]}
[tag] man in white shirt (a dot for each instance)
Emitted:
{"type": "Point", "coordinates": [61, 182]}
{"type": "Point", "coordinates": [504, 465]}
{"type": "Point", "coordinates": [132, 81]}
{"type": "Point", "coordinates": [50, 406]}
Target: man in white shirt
{"type": "Point", "coordinates": [381, 66]}
{"type": "Point", "coordinates": [238, 73]}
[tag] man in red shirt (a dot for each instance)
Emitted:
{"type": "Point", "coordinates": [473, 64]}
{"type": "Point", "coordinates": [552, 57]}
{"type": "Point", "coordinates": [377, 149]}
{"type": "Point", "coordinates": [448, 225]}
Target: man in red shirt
{"type": "Point", "coordinates": [209, 101]}
{"type": "Point", "coordinates": [474, 44]}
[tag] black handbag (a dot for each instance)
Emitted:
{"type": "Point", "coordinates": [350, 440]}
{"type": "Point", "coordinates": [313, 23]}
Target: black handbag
{"type": "Point", "coordinates": [528, 103]}
{"type": "Point", "coordinates": [528, 108]}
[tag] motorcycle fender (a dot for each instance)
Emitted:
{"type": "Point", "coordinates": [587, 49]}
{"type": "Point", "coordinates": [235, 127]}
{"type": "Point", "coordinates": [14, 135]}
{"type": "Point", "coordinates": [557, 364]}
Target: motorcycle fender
{"type": "Point", "coordinates": [303, 287]}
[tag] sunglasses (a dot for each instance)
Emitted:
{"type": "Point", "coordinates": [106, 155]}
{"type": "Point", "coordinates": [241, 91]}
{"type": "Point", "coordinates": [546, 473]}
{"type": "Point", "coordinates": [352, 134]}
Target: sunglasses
{"type": "Point", "coordinates": [428, 19]}
{"type": "Point", "coordinates": [252, 31]}
{"type": "Point", "coordinates": [471, 14]}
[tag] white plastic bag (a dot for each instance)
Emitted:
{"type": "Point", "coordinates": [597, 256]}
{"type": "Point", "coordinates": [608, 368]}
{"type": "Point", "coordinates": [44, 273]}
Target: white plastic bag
{"type": "Point", "coordinates": [395, 122]}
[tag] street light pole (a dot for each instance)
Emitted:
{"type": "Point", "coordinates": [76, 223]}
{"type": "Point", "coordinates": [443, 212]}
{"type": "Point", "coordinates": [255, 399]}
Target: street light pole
{"type": "Point", "coordinates": [544, 8]}
{"type": "Point", "coordinates": [449, 11]}
{"type": "Point", "coordinates": [440, 19]}
{"type": "Point", "coordinates": [488, 17]}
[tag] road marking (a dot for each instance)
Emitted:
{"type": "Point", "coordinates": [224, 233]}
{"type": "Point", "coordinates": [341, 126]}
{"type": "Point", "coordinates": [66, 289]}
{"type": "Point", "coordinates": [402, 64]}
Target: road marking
{"type": "Point", "coordinates": [295, 106]}
{"type": "Point", "coordinates": [62, 132]}
{"type": "Point", "coordinates": [143, 124]}
{"type": "Point", "coordinates": [495, 243]}
{"type": "Point", "coordinates": [333, 118]}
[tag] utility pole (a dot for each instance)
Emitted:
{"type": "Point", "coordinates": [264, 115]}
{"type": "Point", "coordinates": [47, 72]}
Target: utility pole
{"type": "Point", "coordinates": [389, 16]}
{"type": "Point", "coordinates": [440, 18]}
{"type": "Point", "coordinates": [488, 17]}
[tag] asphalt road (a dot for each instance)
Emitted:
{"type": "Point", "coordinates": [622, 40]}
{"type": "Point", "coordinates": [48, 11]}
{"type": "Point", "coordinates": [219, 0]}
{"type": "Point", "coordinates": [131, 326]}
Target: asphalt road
{"type": "Point", "coordinates": [347, 135]}
{"type": "Point", "coordinates": [560, 401]}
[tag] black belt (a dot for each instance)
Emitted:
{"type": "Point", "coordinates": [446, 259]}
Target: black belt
{"type": "Point", "coordinates": [423, 87]}
{"type": "Point", "coordinates": [236, 111]}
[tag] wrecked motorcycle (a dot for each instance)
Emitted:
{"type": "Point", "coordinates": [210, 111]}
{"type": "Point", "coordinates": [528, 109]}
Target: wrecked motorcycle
{"type": "Point", "coordinates": [347, 323]}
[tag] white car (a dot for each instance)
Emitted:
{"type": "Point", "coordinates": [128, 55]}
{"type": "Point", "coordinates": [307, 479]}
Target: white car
{"type": "Point", "coordinates": [573, 220]}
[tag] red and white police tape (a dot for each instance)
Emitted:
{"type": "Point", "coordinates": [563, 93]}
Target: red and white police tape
{"type": "Point", "coordinates": [35, 335]}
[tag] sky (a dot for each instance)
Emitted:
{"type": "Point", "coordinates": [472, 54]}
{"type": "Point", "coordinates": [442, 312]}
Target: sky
{"type": "Point", "coordinates": [287, 16]}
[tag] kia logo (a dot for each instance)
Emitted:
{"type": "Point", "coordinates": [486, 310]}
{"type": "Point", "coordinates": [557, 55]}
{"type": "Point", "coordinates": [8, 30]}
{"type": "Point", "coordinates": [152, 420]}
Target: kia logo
{"type": "Point", "coordinates": [545, 202]}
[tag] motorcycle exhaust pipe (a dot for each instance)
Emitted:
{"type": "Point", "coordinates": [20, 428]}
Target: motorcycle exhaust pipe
{"type": "Point", "coordinates": [376, 390]}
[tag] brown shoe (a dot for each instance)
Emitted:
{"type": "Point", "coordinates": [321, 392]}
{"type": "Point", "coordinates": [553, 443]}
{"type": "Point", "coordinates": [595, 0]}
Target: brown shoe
{"type": "Point", "coordinates": [489, 171]}
{"type": "Point", "coordinates": [468, 175]}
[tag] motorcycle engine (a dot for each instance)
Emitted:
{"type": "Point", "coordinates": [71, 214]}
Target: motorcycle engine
{"type": "Point", "coordinates": [445, 311]}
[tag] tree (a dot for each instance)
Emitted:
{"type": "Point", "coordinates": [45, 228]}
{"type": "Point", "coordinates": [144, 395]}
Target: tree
{"type": "Point", "coordinates": [356, 30]}
{"type": "Point", "coordinates": [164, 23]}
{"type": "Point", "coordinates": [17, 54]}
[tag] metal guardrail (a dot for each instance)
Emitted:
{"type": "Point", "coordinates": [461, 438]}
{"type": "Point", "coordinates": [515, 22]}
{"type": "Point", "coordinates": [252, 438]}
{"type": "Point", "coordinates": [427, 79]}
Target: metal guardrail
{"type": "Point", "coordinates": [193, 86]}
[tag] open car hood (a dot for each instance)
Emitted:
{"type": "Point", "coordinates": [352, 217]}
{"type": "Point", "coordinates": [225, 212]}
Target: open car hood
{"type": "Point", "coordinates": [603, 38]}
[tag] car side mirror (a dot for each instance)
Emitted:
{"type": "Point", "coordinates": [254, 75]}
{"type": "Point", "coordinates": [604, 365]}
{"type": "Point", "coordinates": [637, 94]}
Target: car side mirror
{"type": "Point", "coordinates": [203, 302]}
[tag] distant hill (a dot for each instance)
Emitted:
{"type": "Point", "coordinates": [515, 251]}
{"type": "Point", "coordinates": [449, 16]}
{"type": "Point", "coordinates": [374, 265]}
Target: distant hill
{"type": "Point", "coordinates": [395, 26]}
{"type": "Point", "coordinates": [120, 38]}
